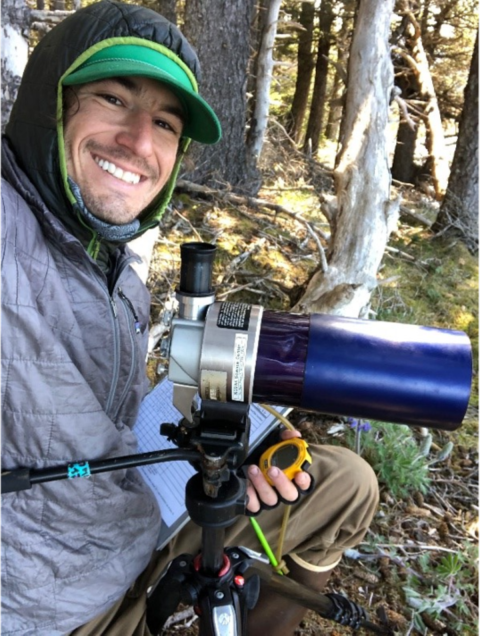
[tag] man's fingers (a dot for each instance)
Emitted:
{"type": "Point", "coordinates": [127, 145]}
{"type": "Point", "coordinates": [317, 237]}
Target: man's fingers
{"type": "Point", "coordinates": [259, 490]}
{"type": "Point", "coordinates": [281, 482]}
{"type": "Point", "coordinates": [303, 480]}
{"type": "Point", "coordinates": [264, 491]}
{"type": "Point", "coordinates": [289, 434]}
{"type": "Point", "coordinates": [253, 504]}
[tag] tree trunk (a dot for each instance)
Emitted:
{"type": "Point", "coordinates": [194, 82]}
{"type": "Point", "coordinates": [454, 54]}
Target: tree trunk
{"type": "Point", "coordinates": [259, 24]}
{"type": "Point", "coordinates": [404, 168]}
{"type": "Point", "coordinates": [459, 209]}
{"type": "Point", "coordinates": [167, 8]}
{"type": "Point", "coordinates": [220, 32]}
{"type": "Point", "coordinates": [15, 19]}
{"type": "Point", "coordinates": [264, 79]}
{"type": "Point", "coordinates": [317, 109]}
{"type": "Point", "coordinates": [337, 97]}
{"type": "Point", "coordinates": [335, 111]}
{"type": "Point", "coordinates": [436, 147]}
{"type": "Point", "coordinates": [365, 215]}
{"type": "Point", "coordinates": [296, 116]}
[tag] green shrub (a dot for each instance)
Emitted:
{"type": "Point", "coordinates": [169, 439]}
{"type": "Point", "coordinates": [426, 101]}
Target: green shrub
{"type": "Point", "coordinates": [393, 453]}
{"type": "Point", "coordinates": [452, 582]}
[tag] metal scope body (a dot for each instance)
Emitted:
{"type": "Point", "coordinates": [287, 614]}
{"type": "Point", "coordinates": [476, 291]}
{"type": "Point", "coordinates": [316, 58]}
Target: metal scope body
{"type": "Point", "coordinates": [392, 372]}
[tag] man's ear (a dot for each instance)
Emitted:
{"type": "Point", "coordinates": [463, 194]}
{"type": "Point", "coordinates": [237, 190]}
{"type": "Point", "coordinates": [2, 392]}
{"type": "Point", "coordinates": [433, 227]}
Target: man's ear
{"type": "Point", "coordinates": [70, 102]}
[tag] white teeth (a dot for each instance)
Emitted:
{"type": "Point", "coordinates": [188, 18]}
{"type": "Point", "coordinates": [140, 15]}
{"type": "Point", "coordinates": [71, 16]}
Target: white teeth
{"type": "Point", "coordinates": [128, 177]}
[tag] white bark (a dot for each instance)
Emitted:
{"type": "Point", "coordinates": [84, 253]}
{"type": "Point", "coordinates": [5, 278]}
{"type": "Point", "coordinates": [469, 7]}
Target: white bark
{"type": "Point", "coordinates": [436, 145]}
{"type": "Point", "coordinates": [143, 247]}
{"type": "Point", "coordinates": [365, 214]}
{"type": "Point", "coordinates": [15, 18]}
{"type": "Point", "coordinates": [264, 80]}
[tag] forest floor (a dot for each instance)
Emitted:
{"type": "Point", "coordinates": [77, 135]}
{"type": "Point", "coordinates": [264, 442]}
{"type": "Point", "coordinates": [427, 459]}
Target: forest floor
{"type": "Point", "coordinates": [417, 566]}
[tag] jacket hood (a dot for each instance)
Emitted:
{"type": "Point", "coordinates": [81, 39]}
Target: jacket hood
{"type": "Point", "coordinates": [35, 129]}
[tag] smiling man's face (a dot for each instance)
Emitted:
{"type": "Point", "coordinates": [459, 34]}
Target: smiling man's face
{"type": "Point", "coordinates": [121, 143]}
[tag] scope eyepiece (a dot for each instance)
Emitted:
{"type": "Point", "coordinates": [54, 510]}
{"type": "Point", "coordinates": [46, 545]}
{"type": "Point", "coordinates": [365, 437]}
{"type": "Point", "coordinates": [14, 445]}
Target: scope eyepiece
{"type": "Point", "coordinates": [195, 293]}
{"type": "Point", "coordinates": [196, 268]}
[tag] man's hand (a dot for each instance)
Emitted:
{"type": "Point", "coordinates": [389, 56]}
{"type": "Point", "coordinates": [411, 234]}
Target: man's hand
{"type": "Point", "coordinates": [259, 490]}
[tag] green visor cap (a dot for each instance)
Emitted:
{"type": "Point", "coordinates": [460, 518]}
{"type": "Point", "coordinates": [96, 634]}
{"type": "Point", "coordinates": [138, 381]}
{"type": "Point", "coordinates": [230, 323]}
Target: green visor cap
{"type": "Point", "coordinates": [201, 123]}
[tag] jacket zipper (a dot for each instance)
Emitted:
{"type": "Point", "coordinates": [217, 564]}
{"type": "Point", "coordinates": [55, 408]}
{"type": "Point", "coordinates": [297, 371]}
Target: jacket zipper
{"type": "Point", "coordinates": [116, 341]}
{"type": "Point", "coordinates": [116, 346]}
{"type": "Point", "coordinates": [130, 313]}
{"type": "Point", "coordinates": [132, 310]}
{"type": "Point", "coordinates": [116, 354]}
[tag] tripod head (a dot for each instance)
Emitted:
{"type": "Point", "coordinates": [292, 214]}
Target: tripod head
{"type": "Point", "coordinates": [220, 432]}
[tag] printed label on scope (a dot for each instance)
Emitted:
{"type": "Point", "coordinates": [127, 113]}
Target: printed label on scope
{"type": "Point", "coordinates": [234, 316]}
{"type": "Point", "coordinates": [238, 368]}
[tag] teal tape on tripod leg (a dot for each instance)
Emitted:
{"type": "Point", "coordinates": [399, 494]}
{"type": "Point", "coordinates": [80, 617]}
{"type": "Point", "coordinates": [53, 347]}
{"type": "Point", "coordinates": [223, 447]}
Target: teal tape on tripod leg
{"type": "Point", "coordinates": [79, 469]}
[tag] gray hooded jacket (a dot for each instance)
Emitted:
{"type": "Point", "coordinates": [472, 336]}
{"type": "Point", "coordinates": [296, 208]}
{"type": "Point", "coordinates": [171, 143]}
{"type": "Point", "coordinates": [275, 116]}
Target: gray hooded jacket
{"type": "Point", "coordinates": [73, 361]}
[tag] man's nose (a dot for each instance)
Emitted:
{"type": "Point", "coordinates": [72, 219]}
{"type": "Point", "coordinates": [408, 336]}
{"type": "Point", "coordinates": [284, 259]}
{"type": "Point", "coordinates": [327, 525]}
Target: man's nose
{"type": "Point", "coordinates": [137, 133]}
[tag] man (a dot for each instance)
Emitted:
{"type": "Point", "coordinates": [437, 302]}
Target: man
{"type": "Point", "coordinates": [107, 107]}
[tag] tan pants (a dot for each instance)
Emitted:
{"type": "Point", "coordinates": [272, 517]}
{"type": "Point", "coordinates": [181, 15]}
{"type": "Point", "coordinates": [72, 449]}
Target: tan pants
{"type": "Point", "coordinates": [334, 517]}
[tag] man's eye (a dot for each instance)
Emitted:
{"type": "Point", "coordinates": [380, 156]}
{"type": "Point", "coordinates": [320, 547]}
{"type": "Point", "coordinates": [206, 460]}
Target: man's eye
{"type": "Point", "coordinates": [111, 99]}
{"type": "Point", "coordinates": [161, 123]}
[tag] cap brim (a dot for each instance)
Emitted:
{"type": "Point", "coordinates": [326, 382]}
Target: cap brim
{"type": "Point", "coordinates": [201, 122]}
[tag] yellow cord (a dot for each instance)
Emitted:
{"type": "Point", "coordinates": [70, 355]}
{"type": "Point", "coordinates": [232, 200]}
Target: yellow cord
{"type": "Point", "coordinates": [286, 513]}
{"type": "Point", "coordinates": [283, 532]}
{"type": "Point", "coordinates": [279, 416]}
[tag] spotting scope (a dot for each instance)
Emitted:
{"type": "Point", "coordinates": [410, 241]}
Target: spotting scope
{"type": "Point", "coordinates": [237, 352]}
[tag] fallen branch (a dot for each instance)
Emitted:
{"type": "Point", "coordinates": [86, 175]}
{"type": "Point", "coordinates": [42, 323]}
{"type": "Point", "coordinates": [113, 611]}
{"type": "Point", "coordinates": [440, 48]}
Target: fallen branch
{"type": "Point", "coordinates": [234, 290]}
{"type": "Point", "coordinates": [394, 250]}
{"type": "Point", "coordinates": [414, 546]}
{"type": "Point", "coordinates": [54, 17]}
{"type": "Point", "coordinates": [185, 615]}
{"type": "Point", "coordinates": [403, 108]}
{"type": "Point", "coordinates": [41, 27]}
{"type": "Point", "coordinates": [184, 218]}
{"type": "Point", "coordinates": [381, 554]}
{"type": "Point", "coordinates": [299, 153]}
{"type": "Point", "coordinates": [405, 255]}
{"type": "Point", "coordinates": [257, 203]}
{"type": "Point", "coordinates": [412, 216]}
{"type": "Point", "coordinates": [156, 332]}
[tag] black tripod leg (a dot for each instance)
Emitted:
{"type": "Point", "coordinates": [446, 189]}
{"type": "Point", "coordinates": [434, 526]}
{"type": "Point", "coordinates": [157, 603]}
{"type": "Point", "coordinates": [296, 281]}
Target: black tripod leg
{"type": "Point", "coordinates": [169, 593]}
{"type": "Point", "coordinates": [331, 606]}
{"type": "Point", "coordinates": [222, 613]}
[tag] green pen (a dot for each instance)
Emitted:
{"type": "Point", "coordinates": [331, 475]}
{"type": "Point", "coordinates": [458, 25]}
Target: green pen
{"type": "Point", "coordinates": [264, 543]}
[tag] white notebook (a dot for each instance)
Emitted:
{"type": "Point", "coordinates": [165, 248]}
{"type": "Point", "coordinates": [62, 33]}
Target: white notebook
{"type": "Point", "coordinates": [168, 479]}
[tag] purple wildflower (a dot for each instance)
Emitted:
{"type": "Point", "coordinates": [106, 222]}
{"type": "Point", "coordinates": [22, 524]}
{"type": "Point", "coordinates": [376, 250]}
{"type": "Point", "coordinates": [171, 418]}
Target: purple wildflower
{"type": "Point", "coordinates": [362, 425]}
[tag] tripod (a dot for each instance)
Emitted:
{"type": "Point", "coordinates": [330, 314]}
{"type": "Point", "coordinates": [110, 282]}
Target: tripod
{"type": "Point", "coordinates": [224, 583]}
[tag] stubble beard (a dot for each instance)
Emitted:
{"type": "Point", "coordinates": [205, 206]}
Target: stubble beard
{"type": "Point", "coordinates": [112, 207]}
